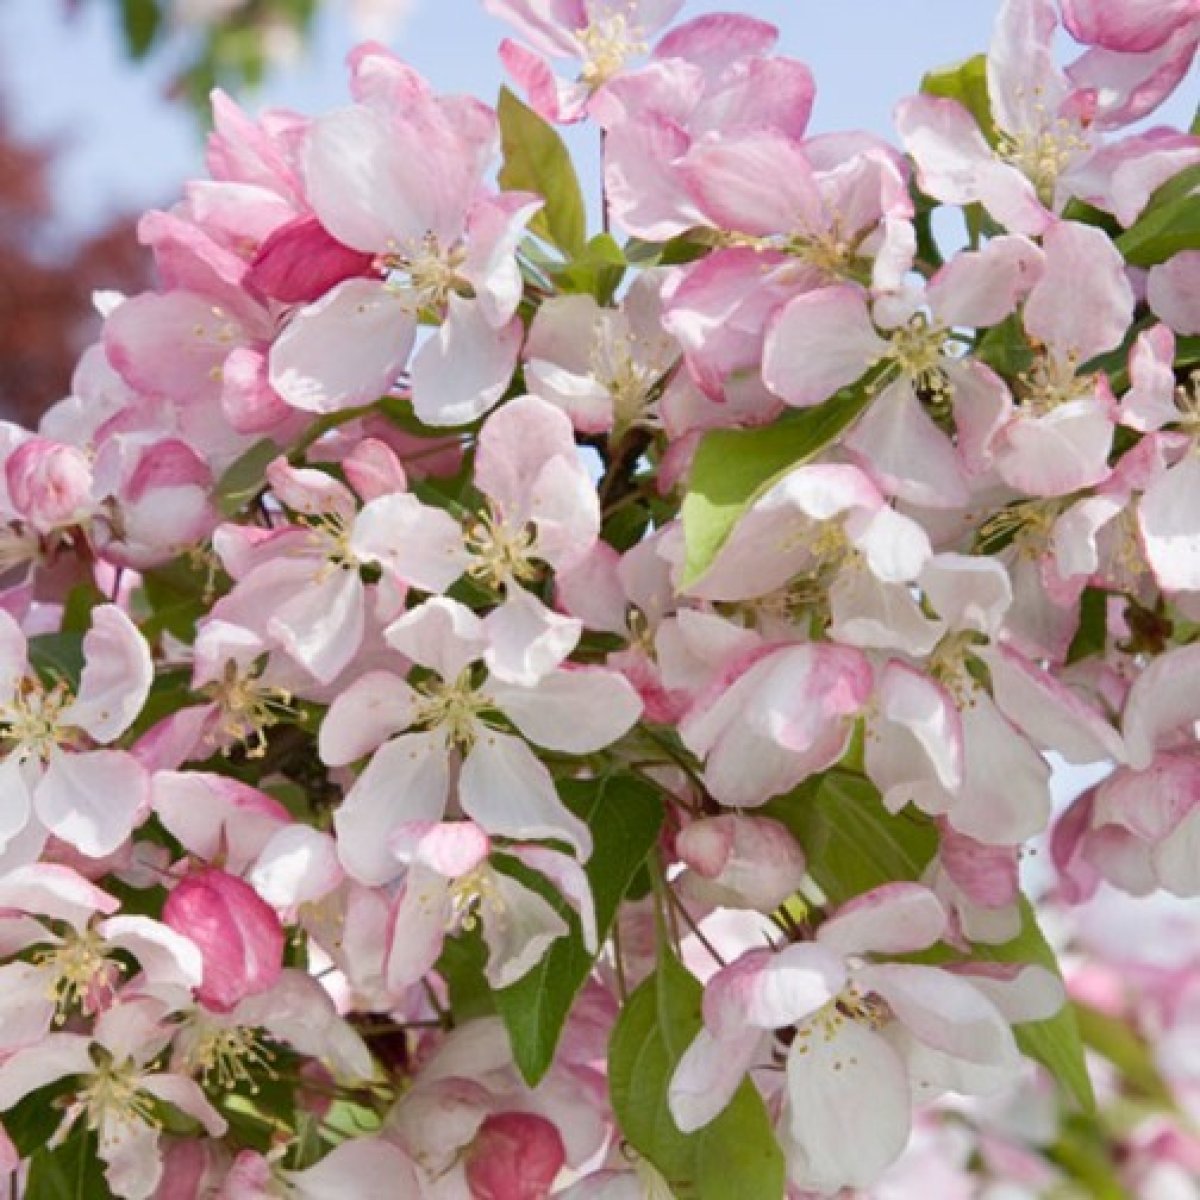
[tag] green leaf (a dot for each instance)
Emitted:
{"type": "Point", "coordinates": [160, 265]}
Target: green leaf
{"type": "Point", "coordinates": [245, 477]}
{"type": "Point", "coordinates": [1169, 224]}
{"type": "Point", "coordinates": [141, 21]}
{"type": "Point", "coordinates": [625, 816]}
{"type": "Point", "coordinates": [535, 160]}
{"type": "Point", "coordinates": [733, 467]}
{"type": "Point", "coordinates": [1055, 1043]}
{"type": "Point", "coordinates": [1092, 635]}
{"type": "Point", "coordinates": [177, 596]}
{"type": "Point", "coordinates": [851, 841]}
{"type": "Point", "coordinates": [56, 656]}
{"type": "Point", "coordinates": [71, 1171]}
{"type": "Point", "coordinates": [1116, 1040]}
{"type": "Point", "coordinates": [77, 612]}
{"type": "Point", "coordinates": [596, 271]}
{"type": "Point", "coordinates": [734, 1157]}
{"type": "Point", "coordinates": [965, 82]}
{"type": "Point", "coordinates": [1005, 348]}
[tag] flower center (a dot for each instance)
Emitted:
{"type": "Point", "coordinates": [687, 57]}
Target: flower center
{"type": "Point", "coordinates": [475, 897]}
{"type": "Point", "coordinates": [629, 378]}
{"type": "Point", "coordinates": [500, 554]}
{"type": "Point", "coordinates": [425, 270]}
{"type": "Point", "coordinates": [79, 973]}
{"type": "Point", "coordinates": [1026, 526]}
{"type": "Point", "coordinates": [919, 350]}
{"type": "Point", "coordinates": [248, 708]}
{"type": "Point", "coordinates": [454, 707]}
{"type": "Point", "coordinates": [1044, 152]}
{"type": "Point", "coordinates": [607, 43]}
{"type": "Point", "coordinates": [1053, 382]}
{"type": "Point", "coordinates": [229, 1056]}
{"type": "Point", "coordinates": [32, 719]}
{"type": "Point", "coordinates": [113, 1099]}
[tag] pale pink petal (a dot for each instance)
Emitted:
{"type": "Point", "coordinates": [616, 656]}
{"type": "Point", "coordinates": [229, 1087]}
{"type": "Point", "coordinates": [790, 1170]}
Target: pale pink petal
{"type": "Point", "coordinates": [707, 1076]}
{"type": "Point", "coordinates": [1019, 991]}
{"type": "Point", "coordinates": [310, 368]}
{"type": "Point", "coordinates": [421, 545]}
{"type": "Point", "coordinates": [1169, 520]}
{"type": "Point", "coordinates": [967, 591]}
{"type": "Point", "coordinates": [899, 445]}
{"type": "Point", "coordinates": [897, 918]}
{"type": "Point", "coordinates": [1024, 83]}
{"type": "Point", "coordinates": [820, 342]}
{"type": "Point", "coordinates": [117, 674]}
{"type": "Point", "coordinates": [461, 372]}
{"type": "Point", "coordinates": [944, 1011]}
{"type": "Point", "coordinates": [187, 1096]}
{"type": "Point", "coordinates": [841, 1081]}
{"type": "Point", "coordinates": [57, 1055]}
{"type": "Point", "coordinates": [321, 625]}
{"type": "Point", "coordinates": [92, 800]}
{"type": "Point", "coordinates": [419, 923]}
{"type": "Point", "coordinates": [54, 891]}
{"type": "Point", "coordinates": [297, 865]}
{"type": "Point", "coordinates": [1047, 711]}
{"type": "Point", "coordinates": [981, 288]}
{"type": "Point", "coordinates": [1083, 303]}
{"type": "Point", "coordinates": [576, 712]}
{"type": "Point", "coordinates": [1164, 701]}
{"type": "Point", "coordinates": [375, 1168]}
{"type": "Point", "coordinates": [1061, 452]}
{"type": "Point", "coordinates": [440, 634]}
{"type": "Point", "coordinates": [166, 956]}
{"type": "Point", "coordinates": [407, 780]}
{"type": "Point", "coordinates": [510, 793]}
{"type": "Point", "coordinates": [524, 928]}
{"type": "Point", "coordinates": [527, 640]}
{"type": "Point", "coordinates": [1173, 292]}
{"type": "Point", "coordinates": [570, 879]}
{"type": "Point", "coordinates": [1130, 25]}
{"type": "Point", "coordinates": [375, 706]}
{"type": "Point", "coordinates": [765, 990]}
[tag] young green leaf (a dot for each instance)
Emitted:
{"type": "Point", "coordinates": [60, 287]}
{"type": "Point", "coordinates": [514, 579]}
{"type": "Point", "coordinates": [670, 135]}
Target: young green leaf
{"type": "Point", "coordinates": [535, 160]}
{"type": "Point", "coordinates": [965, 82]}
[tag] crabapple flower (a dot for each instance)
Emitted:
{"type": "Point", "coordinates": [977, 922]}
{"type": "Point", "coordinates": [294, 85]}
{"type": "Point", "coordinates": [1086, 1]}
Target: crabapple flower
{"type": "Point", "coordinates": [602, 34]}
{"type": "Point", "coordinates": [866, 1035]}
{"type": "Point", "coordinates": [443, 250]}
{"type": "Point", "coordinates": [116, 1092]}
{"type": "Point", "coordinates": [450, 719]}
{"type": "Point", "coordinates": [53, 778]}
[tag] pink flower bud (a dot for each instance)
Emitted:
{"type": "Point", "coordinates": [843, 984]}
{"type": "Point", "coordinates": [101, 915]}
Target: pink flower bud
{"type": "Point", "coordinates": [515, 1156]}
{"type": "Point", "coordinates": [237, 932]}
{"type": "Point", "coordinates": [49, 483]}
{"type": "Point", "coordinates": [741, 862]}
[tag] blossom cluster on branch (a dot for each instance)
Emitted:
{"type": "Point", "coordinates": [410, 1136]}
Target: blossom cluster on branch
{"type": "Point", "coordinates": [495, 713]}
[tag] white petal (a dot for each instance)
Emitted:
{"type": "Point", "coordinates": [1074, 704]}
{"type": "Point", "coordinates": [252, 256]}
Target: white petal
{"type": "Point", "coordinates": [511, 794]}
{"type": "Point", "coordinates": [117, 673]}
{"type": "Point", "coordinates": [707, 1076]}
{"type": "Point", "coordinates": [91, 800]}
{"type": "Point", "coordinates": [576, 712]}
{"type": "Point", "coordinates": [406, 781]}
{"type": "Point", "coordinates": [527, 640]}
{"type": "Point", "coordinates": [375, 706]}
{"type": "Point", "coordinates": [422, 545]}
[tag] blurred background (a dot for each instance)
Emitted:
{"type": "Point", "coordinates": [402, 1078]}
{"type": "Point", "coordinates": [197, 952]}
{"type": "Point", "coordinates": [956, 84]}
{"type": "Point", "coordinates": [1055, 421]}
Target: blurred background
{"type": "Point", "coordinates": [103, 115]}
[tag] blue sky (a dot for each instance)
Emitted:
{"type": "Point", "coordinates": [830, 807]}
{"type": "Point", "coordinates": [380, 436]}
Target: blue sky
{"type": "Point", "coordinates": [127, 147]}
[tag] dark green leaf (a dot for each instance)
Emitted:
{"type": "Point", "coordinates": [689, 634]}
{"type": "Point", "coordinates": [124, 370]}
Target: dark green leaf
{"type": "Point", "coordinates": [965, 82]}
{"type": "Point", "coordinates": [735, 1157]}
{"type": "Point", "coordinates": [1091, 637]}
{"type": "Point", "coordinates": [77, 612]}
{"type": "Point", "coordinates": [176, 596]}
{"type": "Point", "coordinates": [1005, 348]}
{"type": "Point", "coordinates": [246, 477]}
{"type": "Point", "coordinates": [141, 20]}
{"type": "Point", "coordinates": [851, 841]}
{"type": "Point", "coordinates": [1169, 224]}
{"type": "Point", "coordinates": [733, 467]}
{"type": "Point", "coordinates": [71, 1171]}
{"type": "Point", "coordinates": [56, 656]}
{"type": "Point", "coordinates": [625, 816]}
{"type": "Point", "coordinates": [535, 160]}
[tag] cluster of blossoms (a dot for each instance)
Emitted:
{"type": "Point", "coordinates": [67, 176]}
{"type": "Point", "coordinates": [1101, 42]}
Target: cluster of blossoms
{"type": "Point", "coordinates": [490, 713]}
